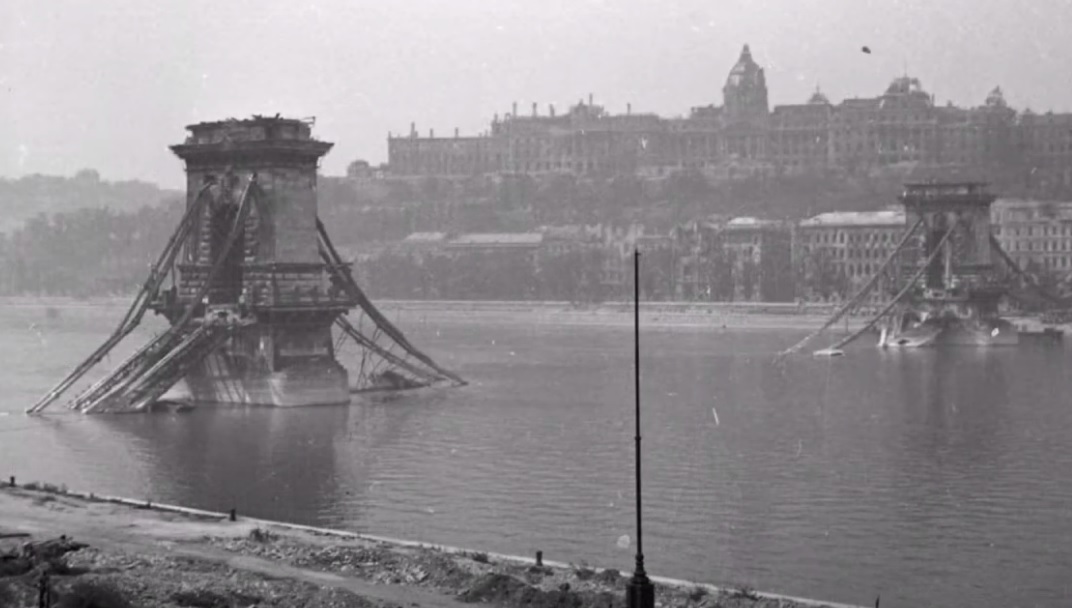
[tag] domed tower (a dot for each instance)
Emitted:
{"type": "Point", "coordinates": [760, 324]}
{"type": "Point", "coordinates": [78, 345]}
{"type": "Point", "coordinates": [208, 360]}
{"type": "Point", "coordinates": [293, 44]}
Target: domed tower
{"type": "Point", "coordinates": [996, 99]}
{"type": "Point", "coordinates": [745, 93]}
{"type": "Point", "coordinates": [907, 90]}
{"type": "Point", "coordinates": [818, 98]}
{"type": "Point", "coordinates": [998, 121]}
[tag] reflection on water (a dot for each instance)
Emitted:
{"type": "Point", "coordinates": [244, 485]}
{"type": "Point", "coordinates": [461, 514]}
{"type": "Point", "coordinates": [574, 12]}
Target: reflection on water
{"type": "Point", "coordinates": [933, 478]}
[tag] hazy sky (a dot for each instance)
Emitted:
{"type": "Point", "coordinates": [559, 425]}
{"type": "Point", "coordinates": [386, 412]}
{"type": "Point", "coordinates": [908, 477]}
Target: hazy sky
{"type": "Point", "coordinates": [110, 84]}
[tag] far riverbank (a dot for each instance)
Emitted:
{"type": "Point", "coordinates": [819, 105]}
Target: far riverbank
{"type": "Point", "coordinates": [690, 315]}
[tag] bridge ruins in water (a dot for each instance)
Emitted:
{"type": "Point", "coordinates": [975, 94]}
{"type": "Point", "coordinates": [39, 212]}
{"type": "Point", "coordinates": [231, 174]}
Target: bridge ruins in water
{"type": "Point", "coordinates": [259, 298]}
{"type": "Point", "coordinates": [949, 273]}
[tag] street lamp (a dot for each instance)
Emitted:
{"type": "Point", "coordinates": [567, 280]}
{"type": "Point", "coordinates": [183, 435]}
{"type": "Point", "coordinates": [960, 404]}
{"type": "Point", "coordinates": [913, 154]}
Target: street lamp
{"type": "Point", "coordinates": [639, 592]}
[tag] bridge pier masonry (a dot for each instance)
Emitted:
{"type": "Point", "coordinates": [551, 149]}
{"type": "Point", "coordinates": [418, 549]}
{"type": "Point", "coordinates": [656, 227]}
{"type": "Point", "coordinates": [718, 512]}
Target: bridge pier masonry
{"type": "Point", "coordinates": [273, 278]}
{"type": "Point", "coordinates": [256, 289]}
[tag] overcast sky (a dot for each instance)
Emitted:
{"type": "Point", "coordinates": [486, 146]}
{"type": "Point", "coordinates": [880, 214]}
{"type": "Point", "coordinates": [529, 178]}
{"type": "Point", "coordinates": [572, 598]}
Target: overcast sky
{"type": "Point", "coordinates": [109, 84]}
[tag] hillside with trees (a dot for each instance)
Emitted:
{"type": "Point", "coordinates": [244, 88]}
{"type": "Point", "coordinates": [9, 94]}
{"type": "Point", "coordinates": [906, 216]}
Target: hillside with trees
{"type": "Point", "coordinates": [81, 236]}
{"type": "Point", "coordinates": [29, 196]}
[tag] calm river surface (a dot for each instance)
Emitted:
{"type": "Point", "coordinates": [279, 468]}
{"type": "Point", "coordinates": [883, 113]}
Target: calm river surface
{"type": "Point", "coordinates": [933, 479]}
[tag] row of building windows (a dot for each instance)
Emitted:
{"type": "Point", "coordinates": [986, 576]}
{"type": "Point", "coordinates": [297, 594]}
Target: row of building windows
{"type": "Point", "coordinates": [1050, 263]}
{"type": "Point", "coordinates": [1065, 230]}
{"type": "Point", "coordinates": [834, 236]}
{"type": "Point", "coordinates": [1037, 246]}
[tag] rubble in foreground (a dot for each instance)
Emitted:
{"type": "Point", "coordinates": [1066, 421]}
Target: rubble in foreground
{"type": "Point", "coordinates": [88, 577]}
{"type": "Point", "coordinates": [107, 555]}
{"type": "Point", "coordinates": [473, 577]}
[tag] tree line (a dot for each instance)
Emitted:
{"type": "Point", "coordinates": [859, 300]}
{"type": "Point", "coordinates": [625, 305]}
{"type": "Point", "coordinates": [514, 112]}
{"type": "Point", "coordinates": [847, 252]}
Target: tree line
{"type": "Point", "coordinates": [86, 252]}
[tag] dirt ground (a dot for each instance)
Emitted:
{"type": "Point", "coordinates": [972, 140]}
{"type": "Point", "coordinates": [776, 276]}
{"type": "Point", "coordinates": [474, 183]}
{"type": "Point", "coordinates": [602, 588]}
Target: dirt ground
{"type": "Point", "coordinates": [96, 554]}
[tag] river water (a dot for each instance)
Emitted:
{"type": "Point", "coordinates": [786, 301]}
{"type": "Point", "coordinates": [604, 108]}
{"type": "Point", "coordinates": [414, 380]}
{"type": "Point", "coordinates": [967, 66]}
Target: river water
{"type": "Point", "coordinates": [931, 478]}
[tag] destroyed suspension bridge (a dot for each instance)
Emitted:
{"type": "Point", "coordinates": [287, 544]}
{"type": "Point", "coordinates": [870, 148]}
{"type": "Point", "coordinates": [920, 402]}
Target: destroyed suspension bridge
{"type": "Point", "coordinates": [259, 296]}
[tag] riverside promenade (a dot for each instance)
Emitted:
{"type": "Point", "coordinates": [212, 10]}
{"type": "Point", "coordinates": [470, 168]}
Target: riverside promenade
{"type": "Point", "coordinates": [137, 553]}
{"type": "Point", "coordinates": [697, 315]}
{"type": "Point", "coordinates": [693, 315]}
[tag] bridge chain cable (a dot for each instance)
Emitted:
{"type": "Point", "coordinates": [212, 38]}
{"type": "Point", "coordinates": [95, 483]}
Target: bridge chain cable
{"type": "Point", "coordinates": [136, 312]}
{"type": "Point", "coordinates": [1032, 280]}
{"type": "Point", "coordinates": [144, 359]}
{"type": "Point", "coordinates": [336, 266]}
{"type": "Point", "coordinates": [900, 295]}
{"type": "Point", "coordinates": [863, 291]}
{"type": "Point", "coordinates": [173, 343]}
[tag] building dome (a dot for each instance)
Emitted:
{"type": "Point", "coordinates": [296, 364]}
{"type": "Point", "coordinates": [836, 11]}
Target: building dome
{"type": "Point", "coordinates": [904, 85]}
{"type": "Point", "coordinates": [905, 91]}
{"type": "Point", "coordinates": [817, 98]}
{"type": "Point", "coordinates": [996, 99]}
{"type": "Point", "coordinates": [745, 92]}
{"type": "Point", "coordinates": [746, 71]}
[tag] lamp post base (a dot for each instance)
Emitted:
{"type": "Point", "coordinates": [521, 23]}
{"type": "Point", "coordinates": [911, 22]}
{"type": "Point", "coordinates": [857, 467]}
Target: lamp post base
{"type": "Point", "coordinates": [639, 592]}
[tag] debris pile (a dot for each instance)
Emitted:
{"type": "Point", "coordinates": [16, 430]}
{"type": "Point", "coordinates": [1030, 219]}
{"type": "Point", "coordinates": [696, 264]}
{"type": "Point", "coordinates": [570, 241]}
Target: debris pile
{"type": "Point", "coordinates": [379, 563]}
{"type": "Point", "coordinates": [505, 590]}
{"type": "Point", "coordinates": [170, 560]}
{"type": "Point", "coordinates": [64, 573]}
{"type": "Point", "coordinates": [476, 578]}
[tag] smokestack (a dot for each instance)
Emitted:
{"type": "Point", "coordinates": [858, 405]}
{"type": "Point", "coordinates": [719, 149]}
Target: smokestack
{"type": "Point", "coordinates": [413, 129]}
{"type": "Point", "coordinates": [589, 99]}
{"type": "Point", "coordinates": [534, 114]}
{"type": "Point", "coordinates": [551, 109]}
{"type": "Point", "coordinates": [514, 112]}
{"type": "Point", "coordinates": [628, 109]}
{"type": "Point", "coordinates": [431, 133]}
{"type": "Point", "coordinates": [455, 132]}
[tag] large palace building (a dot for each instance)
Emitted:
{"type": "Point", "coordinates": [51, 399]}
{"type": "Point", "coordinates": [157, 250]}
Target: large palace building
{"type": "Point", "coordinates": [745, 137]}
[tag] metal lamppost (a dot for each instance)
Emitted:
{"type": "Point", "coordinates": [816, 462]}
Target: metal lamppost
{"type": "Point", "coordinates": [640, 593]}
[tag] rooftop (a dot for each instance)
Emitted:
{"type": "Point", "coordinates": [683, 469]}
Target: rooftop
{"type": "Point", "coordinates": [233, 139]}
{"type": "Point", "coordinates": [512, 239]}
{"type": "Point", "coordinates": [945, 185]}
{"type": "Point", "coordinates": [255, 128]}
{"type": "Point", "coordinates": [855, 218]}
{"type": "Point", "coordinates": [569, 232]}
{"type": "Point", "coordinates": [425, 237]}
{"type": "Point", "coordinates": [256, 119]}
{"type": "Point", "coordinates": [939, 192]}
{"type": "Point", "coordinates": [751, 222]}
